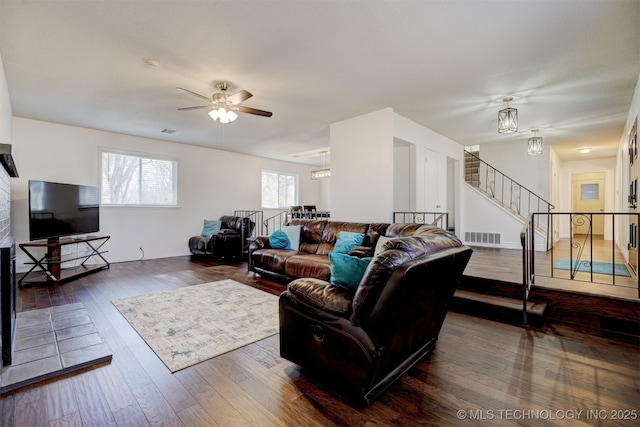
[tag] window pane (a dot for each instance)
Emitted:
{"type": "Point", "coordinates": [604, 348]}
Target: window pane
{"type": "Point", "coordinates": [133, 180]}
{"type": "Point", "coordinates": [589, 191]}
{"type": "Point", "coordinates": [279, 190]}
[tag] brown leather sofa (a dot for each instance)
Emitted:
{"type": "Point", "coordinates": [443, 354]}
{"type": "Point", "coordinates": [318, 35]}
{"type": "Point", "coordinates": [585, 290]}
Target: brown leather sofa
{"type": "Point", "coordinates": [317, 239]}
{"type": "Point", "coordinates": [359, 342]}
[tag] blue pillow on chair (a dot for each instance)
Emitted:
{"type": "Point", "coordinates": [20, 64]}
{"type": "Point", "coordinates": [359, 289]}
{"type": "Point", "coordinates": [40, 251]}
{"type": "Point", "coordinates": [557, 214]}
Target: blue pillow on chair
{"type": "Point", "coordinates": [347, 270]}
{"type": "Point", "coordinates": [279, 240]}
{"type": "Point", "coordinates": [347, 241]}
{"type": "Point", "coordinates": [210, 227]}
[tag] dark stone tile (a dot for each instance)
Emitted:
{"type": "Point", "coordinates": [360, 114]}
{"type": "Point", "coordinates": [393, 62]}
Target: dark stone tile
{"type": "Point", "coordinates": [56, 317]}
{"type": "Point", "coordinates": [75, 331]}
{"type": "Point", "coordinates": [38, 329]}
{"type": "Point", "coordinates": [26, 373]}
{"type": "Point", "coordinates": [41, 353]}
{"type": "Point", "coordinates": [66, 307]}
{"type": "Point", "coordinates": [79, 342]}
{"type": "Point", "coordinates": [86, 356]}
{"type": "Point", "coordinates": [33, 317]}
{"type": "Point", "coordinates": [33, 341]}
{"type": "Point", "coordinates": [34, 353]}
{"type": "Point", "coordinates": [71, 321]}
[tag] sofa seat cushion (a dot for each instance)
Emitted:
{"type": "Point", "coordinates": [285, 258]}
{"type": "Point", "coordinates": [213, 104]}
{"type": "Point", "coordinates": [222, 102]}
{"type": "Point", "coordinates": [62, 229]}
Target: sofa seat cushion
{"type": "Point", "coordinates": [320, 294]}
{"type": "Point", "coordinates": [272, 259]}
{"type": "Point", "coordinates": [199, 243]}
{"type": "Point", "coordinates": [308, 265]}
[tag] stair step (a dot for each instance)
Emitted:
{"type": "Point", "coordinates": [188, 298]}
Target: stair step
{"type": "Point", "coordinates": [493, 307]}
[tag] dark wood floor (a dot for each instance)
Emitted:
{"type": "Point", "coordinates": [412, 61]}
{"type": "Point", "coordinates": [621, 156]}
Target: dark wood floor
{"type": "Point", "coordinates": [480, 373]}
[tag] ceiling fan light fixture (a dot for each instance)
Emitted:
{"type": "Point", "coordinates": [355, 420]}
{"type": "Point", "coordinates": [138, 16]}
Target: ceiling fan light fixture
{"type": "Point", "coordinates": [231, 115]}
{"type": "Point", "coordinates": [508, 118]}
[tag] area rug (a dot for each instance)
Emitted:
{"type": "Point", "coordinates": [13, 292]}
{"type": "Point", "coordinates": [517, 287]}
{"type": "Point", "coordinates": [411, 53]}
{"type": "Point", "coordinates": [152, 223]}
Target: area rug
{"type": "Point", "coordinates": [598, 267]}
{"type": "Point", "coordinates": [188, 325]}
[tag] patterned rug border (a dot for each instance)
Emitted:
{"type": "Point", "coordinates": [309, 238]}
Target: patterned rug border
{"type": "Point", "coordinates": [191, 324]}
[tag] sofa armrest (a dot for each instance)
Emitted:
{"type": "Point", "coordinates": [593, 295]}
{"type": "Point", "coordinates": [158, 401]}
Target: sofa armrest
{"type": "Point", "coordinates": [321, 295]}
{"type": "Point", "coordinates": [361, 251]}
{"type": "Point", "coordinates": [260, 242]}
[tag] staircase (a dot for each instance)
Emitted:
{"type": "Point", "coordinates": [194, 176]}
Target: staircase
{"type": "Point", "coordinates": [494, 299]}
{"type": "Point", "coordinates": [472, 168]}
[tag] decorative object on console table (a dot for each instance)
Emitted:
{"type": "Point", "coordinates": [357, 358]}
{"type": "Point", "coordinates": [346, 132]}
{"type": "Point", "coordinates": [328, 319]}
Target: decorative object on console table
{"type": "Point", "coordinates": [50, 264]}
{"type": "Point", "coordinates": [7, 297]}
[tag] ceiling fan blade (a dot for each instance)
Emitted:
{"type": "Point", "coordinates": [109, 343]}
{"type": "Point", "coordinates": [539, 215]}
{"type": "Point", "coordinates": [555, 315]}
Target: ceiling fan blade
{"type": "Point", "coordinates": [200, 107]}
{"type": "Point", "coordinates": [255, 111]}
{"type": "Point", "coordinates": [193, 93]}
{"type": "Point", "coordinates": [238, 97]}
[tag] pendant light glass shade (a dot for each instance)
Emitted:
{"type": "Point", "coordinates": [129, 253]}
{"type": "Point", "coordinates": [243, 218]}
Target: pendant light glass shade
{"type": "Point", "coordinates": [223, 115]}
{"type": "Point", "coordinates": [508, 118]}
{"type": "Point", "coordinates": [325, 172]}
{"type": "Point", "coordinates": [534, 144]}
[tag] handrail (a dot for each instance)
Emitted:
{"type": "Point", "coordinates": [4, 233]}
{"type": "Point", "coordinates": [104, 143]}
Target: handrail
{"type": "Point", "coordinates": [439, 219]}
{"type": "Point", "coordinates": [256, 217]}
{"type": "Point", "coordinates": [495, 184]}
{"type": "Point", "coordinates": [276, 221]}
{"type": "Point", "coordinates": [581, 262]}
{"type": "Point", "coordinates": [527, 240]}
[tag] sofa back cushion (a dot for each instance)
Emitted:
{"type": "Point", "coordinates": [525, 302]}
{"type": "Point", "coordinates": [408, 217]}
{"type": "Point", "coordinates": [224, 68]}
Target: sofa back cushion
{"type": "Point", "coordinates": [310, 234]}
{"type": "Point", "coordinates": [237, 224]}
{"type": "Point", "coordinates": [331, 231]}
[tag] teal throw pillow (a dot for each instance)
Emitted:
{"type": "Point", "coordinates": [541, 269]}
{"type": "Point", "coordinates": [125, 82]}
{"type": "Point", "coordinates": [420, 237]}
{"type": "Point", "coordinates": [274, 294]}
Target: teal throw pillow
{"type": "Point", "coordinates": [347, 270]}
{"type": "Point", "coordinates": [293, 233]}
{"type": "Point", "coordinates": [210, 227]}
{"type": "Point", "coordinates": [348, 240]}
{"type": "Point", "coordinates": [279, 240]}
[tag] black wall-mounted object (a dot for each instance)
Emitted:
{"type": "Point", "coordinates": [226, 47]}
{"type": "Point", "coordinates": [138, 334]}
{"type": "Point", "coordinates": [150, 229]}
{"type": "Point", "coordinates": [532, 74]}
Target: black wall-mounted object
{"type": "Point", "coordinates": [7, 160]}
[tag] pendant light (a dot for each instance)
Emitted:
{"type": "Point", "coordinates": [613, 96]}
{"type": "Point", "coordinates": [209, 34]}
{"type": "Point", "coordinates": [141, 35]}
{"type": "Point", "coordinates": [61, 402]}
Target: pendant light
{"type": "Point", "coordinates": [508, 118]}
{"type": "Point", "coordinates": [534, 144]}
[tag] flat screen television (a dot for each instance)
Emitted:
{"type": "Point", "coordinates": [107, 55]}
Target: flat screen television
{"type": "Point", "coordinates": [57, 210]}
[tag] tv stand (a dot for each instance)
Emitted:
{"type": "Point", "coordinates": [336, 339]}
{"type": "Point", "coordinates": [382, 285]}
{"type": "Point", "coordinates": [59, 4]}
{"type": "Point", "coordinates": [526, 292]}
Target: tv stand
{"type": "Point", "coordinates": [48, 268]}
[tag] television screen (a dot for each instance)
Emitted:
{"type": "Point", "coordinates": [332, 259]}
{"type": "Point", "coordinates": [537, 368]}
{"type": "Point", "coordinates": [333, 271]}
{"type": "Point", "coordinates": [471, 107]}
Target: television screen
{"type": "Point", "coordinates": [57, 210]}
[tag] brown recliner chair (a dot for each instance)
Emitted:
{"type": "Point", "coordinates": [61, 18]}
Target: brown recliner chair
{"type": "Point", "coordinates": [228, 243]}
{"type": "Point", "coordinates": [359, 343]}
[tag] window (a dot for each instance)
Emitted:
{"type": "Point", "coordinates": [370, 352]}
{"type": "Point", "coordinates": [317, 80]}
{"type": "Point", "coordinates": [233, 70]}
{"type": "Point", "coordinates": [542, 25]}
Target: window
{"type": "Point", "coordinates": [134, 180]}
{"type": "Point", "coordinates": [589, 191]}
{"type": "Point", "coordinates": [279, 190]}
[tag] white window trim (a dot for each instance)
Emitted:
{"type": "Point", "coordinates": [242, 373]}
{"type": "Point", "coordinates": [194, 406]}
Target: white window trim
{"type": "Point", "coordinates": [145, 155]}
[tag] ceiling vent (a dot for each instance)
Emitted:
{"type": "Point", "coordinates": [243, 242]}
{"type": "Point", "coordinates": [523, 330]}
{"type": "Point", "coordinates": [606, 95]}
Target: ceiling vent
{"type": "Point", "coordinates": [169, 131]}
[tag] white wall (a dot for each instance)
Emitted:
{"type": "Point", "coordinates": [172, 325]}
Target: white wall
{"type": "Point", "coordinates": [364, 181]}
{"type": "Point", "coordinates": [5, 109]}
{"type": "Point", "coordinates": [621, 179]}
{"type": "Point", "coordinates": [403, 179]}
{"type": "Point", "coordinates": [444, 154]}
{"type": "Point", "coordinates": [511, 159]}
{"type": "Point", "coordinates": [211, 183]}
{"type": "Point", "coordinates": [362, 168]}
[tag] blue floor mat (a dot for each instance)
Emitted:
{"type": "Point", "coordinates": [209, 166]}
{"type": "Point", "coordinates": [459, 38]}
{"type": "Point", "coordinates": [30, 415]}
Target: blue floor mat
{"type": "Point", "coordinates": [598, 267]}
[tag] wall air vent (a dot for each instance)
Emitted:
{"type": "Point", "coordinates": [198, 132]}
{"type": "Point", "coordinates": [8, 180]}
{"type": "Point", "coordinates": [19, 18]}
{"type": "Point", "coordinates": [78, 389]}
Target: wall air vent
{"type": "Point", "coordinates": [482, 237]}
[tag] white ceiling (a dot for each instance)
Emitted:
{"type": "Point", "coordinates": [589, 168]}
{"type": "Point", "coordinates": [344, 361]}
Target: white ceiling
{"type": "Point", "coordinates": [572, 66]}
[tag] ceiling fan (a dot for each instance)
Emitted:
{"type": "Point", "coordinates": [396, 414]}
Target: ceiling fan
{"type": "Point", "coordinates": [224, 106]}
